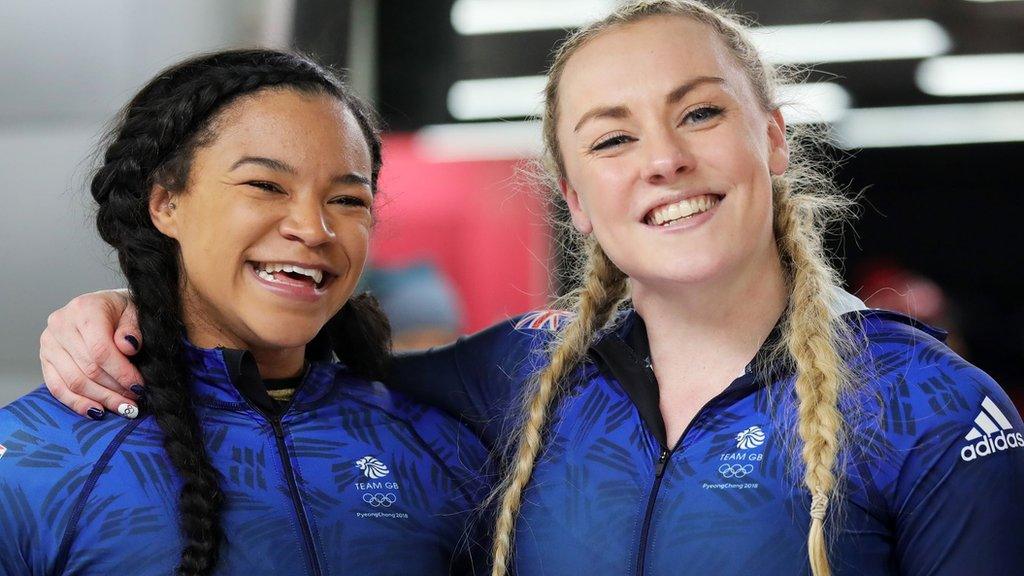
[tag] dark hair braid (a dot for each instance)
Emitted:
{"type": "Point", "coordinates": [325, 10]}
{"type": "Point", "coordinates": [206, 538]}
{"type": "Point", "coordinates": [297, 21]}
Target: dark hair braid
{"type": "Point", "coordinates": [361, 337]}
{"type": "Point", "coordinates": [153, 142]}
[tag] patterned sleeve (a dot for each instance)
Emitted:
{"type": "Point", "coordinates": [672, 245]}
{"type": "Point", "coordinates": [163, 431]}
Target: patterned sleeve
{"type": "Point", "coordinates": [31, 445]}
{"type": "Point", "coordinates": [479, 377]}
{"type": "Point", "coordinates": [959, 496]}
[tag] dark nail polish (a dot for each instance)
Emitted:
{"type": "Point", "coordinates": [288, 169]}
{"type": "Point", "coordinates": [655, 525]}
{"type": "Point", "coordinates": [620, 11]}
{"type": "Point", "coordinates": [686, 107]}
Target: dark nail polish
{"type": "Point", "coordinates": [133, 341]}
{"type": "Point", "coordinates": [137, 389]}
{"type": "Point", "coordinates": [95, 413]}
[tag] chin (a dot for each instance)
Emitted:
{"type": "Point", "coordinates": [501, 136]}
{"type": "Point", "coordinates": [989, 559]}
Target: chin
{"type": "Point", "coordinates": [284, 331]}
{"type": "Point", "coordinates": [680, 269]}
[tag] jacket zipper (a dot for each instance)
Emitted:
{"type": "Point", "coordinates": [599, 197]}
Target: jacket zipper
{"type": "Point", "coordinates": [659, 470]}
{"type": "Point", "coordinates": [293, 491]}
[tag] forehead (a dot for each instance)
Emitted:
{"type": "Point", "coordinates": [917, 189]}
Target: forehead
{"type": "Point", "coordinates": [649, 57]}
{"type": "Point", "coordinates": [304, 127]}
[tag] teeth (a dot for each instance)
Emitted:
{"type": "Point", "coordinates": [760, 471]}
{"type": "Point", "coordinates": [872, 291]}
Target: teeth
{"type": "Point", "coordinates": [682, 209]}
{"type": "Point", "coordinates": [266, 271]}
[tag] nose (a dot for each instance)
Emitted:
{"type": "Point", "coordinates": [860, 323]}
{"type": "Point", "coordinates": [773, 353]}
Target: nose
{"type": "Point", "coordinates": [668, 157]}
{"type": "Point", "coordinates": [306, 222]}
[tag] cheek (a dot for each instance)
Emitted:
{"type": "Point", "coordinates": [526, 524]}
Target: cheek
{"type": "Point", "coordinates": [215, 240]}
{"type": "Point", "coordinates": [605, 192]}
{"type": "Point", "coordinates": [353, 234]}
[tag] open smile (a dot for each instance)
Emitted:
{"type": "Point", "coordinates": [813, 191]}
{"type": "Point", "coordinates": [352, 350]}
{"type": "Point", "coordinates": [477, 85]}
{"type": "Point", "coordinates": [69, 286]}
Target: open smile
{"type": "Point", "coordinates": [302, 282]}
{"type": "Point", "coordinates": [682, 210]}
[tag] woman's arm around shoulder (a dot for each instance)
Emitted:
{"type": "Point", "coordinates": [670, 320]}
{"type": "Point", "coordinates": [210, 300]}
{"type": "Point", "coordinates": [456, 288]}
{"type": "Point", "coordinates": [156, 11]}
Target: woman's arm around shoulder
{"type": "Point", "coordinates": [479, 378]}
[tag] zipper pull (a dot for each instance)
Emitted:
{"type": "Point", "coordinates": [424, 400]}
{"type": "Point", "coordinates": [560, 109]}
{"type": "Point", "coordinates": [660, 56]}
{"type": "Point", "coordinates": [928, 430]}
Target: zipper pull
{"type": "Point", "coordinates": [659, 466]}
{"type": "Point", "coordinates": [276, 425]}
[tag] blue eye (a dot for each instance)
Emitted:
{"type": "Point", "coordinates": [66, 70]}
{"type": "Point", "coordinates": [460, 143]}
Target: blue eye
{"type": "Point", "coordinates": [702, 114]}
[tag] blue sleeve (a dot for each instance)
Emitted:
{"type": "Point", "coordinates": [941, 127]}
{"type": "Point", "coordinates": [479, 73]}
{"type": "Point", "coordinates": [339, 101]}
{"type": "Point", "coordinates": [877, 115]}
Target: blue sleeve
{"type": "Point", "coordinates": [959, 499]}
{"type": "Point", "coordinates": [33, 447]}
{"type": "Point", "coordinates": [478, 378]}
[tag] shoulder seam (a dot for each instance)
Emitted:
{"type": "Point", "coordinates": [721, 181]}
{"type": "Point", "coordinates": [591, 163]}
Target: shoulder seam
{"type": "Point", "coordinates": [90, 484]}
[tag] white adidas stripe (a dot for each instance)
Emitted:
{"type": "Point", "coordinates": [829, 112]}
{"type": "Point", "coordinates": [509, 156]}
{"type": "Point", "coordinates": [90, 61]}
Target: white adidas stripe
{"type": "Point", "coordinates": [990, 420]}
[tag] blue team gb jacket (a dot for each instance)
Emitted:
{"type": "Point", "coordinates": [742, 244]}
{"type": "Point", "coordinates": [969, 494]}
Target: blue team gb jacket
{"type": "Point", "coordinates": [933, 465]}
{"type": "Point", "coordinates": [349, 479]}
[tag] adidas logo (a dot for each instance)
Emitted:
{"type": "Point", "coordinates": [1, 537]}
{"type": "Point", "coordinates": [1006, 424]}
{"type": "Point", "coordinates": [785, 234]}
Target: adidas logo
{"type": "Point", "coordinates": [990, 426]}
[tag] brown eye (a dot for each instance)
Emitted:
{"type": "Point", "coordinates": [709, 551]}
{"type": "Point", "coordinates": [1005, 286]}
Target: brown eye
{"type": "Point", "coordinates": [268, 186]}
{"type": "Point", "coordinates": [350, 201]}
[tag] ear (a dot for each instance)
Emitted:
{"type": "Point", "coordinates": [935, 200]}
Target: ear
{"type": "Point", "coordinates": [163, 210]}
{"type": "Point", "coordinates": [576, 210]}
{"type": "Point", "coordinates": [778, 151]}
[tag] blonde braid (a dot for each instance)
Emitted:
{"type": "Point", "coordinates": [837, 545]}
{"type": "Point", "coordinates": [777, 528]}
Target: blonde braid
{"type": "Point", "coordinates": [814, 339]}
{"type": "Point", "coordinates": [595, 304]}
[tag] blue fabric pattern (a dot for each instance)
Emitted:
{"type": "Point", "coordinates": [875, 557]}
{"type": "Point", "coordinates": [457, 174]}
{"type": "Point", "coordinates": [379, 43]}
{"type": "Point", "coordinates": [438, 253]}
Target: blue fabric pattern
{"type": "Point", "coordinates": [933, 469]}
{"type": "Point", "coordinates": [378, 483]}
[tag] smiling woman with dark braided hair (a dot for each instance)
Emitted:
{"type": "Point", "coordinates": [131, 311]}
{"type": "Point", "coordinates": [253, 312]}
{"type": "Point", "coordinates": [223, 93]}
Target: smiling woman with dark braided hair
{"type": "Point", "coordinates": [237, 189]}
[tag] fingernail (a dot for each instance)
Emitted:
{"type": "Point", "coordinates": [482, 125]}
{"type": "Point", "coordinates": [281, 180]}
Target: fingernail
{"type": "Point", "coordinates": [94, 413]}
{"type": "Point", "coordinates": [133, 341]}
{"type": "Point", "coordinates": [137, 389]}
{"type": "Point", "coordinates": [129, 411]}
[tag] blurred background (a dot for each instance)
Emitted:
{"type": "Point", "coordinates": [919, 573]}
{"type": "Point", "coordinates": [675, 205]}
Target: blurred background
{"type": "Point", "coordinates": [925, 100]}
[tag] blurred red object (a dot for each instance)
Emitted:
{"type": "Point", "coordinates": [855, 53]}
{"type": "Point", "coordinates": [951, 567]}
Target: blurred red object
{"type": "Point", "coordinates": [885, 284]}
{"type": "Point", "coordinates": [475, 220]}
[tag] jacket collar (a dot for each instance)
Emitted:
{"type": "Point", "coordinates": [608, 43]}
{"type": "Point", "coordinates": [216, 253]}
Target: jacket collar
{"type": "Point", "coordinates": [623, 353]}
{"type": "Point", "coordinates": [630, 328]}
{"type": "Point", "coordinates": [229, 378]}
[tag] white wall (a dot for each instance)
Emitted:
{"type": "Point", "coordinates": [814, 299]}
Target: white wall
{"type": "Point", "coordinates": [66, 67]}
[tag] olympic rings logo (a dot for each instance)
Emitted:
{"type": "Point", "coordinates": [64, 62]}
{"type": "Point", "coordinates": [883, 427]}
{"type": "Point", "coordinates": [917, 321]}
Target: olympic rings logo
{"type": "Point", "coordinates": [735, 470]}
{"type": "Point", "coordinates": [377, 500]}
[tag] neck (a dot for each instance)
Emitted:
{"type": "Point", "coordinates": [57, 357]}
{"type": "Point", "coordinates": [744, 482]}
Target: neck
{"type": "Point", "coordinates": [273, 362]}
{"type": "Point", "coordinates": [726, 318]}
{"type": "Point", "coordinates": [280, 363]}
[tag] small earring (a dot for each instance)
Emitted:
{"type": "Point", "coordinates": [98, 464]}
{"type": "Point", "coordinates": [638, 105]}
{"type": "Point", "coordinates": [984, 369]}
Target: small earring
{"type": "Point", "coordinates": [172, 205]}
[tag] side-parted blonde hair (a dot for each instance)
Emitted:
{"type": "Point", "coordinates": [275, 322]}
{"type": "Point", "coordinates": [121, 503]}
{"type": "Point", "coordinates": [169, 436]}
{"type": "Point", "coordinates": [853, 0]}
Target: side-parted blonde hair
{"type": "Point", "coordinates": [805, 205]}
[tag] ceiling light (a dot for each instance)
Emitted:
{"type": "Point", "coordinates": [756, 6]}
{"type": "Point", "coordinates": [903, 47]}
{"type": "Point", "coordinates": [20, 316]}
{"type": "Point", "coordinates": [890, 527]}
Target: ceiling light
{"type": "Point", "coordinates": [972, 75]}
{"type": "Point", "coordinates": [851, 41]}
{"type": "Point", "coordinates": [496, 98]}
{"type": "Point", "coordinates": [494, 16]}
{"type": "Point", "coordinates": [932, 125]}
{"type": "Point", "coordinates": [813, 102]}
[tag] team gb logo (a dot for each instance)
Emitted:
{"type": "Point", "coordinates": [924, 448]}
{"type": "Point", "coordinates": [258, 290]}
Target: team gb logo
{"type": "Point", "coordinates": [750, 438]}
{"type": "Point", "coordinates": [371, 467]}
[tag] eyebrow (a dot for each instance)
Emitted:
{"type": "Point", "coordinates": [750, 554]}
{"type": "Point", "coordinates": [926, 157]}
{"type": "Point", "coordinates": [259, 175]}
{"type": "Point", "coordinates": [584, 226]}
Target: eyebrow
{"type": "Point", "coordinates": [275, 165]}
{"type": "Point", "coordinates": [281, 166]}
{"type": "Point", "coordinates": [620, 111]}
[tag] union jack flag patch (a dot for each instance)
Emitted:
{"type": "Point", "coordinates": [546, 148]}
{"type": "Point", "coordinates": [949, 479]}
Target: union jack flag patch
{"type": "Point", "coordinates": [544, 320]}
{"type": "Point", "coordinates": [3, 450]}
